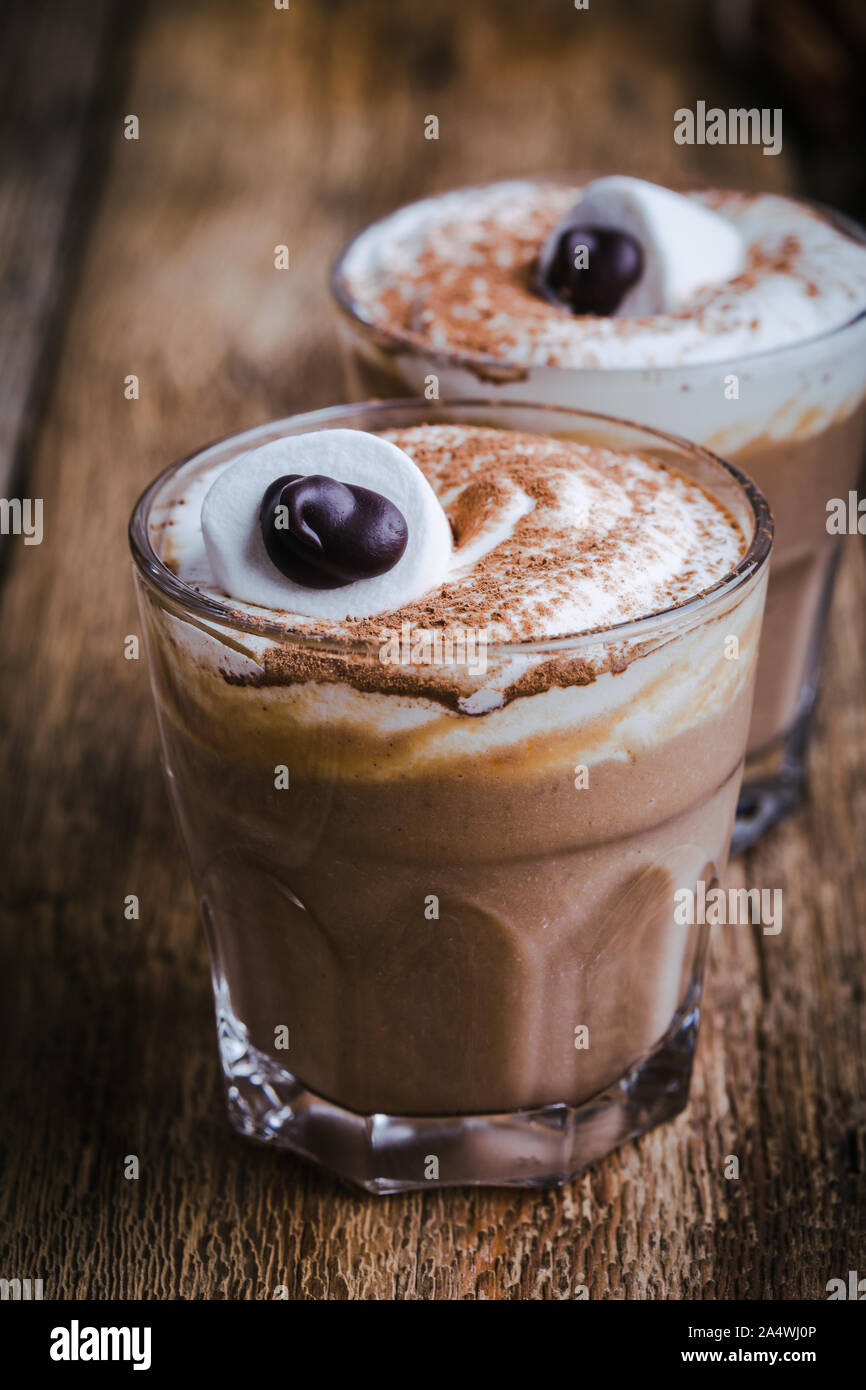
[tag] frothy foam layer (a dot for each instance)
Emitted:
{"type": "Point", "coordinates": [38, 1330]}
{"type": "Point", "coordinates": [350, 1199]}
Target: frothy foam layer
{"type": "Point", "coordinates": [454, 273]}
{"type": "Point", "coordinates": [551, 537]}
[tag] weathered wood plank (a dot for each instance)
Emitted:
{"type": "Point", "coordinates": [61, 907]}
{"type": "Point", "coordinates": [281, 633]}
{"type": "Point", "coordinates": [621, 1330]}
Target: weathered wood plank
{"type": "Point", "coordinates": [51, 59]}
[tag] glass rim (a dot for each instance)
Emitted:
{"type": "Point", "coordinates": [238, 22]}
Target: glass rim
{"type": "Point", "coordinates": [501, 368]}
{"type": "Point", "coordinates": [192, 602]}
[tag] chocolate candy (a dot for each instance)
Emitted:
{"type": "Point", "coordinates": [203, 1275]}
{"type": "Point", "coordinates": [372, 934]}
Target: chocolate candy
{"type": "Point", "coordinates": [323, 534]}
{"type": "Point", "coordinates": [603, 275]}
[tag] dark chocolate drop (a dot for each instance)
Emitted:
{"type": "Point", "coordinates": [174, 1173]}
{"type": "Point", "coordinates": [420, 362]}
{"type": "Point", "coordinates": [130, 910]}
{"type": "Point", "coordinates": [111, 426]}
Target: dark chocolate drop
{"type": "Point", "coordinates": [595, 281]}
{"type": "Point", "coordinates": [323, 534]}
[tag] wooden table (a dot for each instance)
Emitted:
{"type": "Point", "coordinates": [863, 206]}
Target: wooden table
{"type": "Point", "coordinates": [155, 258]}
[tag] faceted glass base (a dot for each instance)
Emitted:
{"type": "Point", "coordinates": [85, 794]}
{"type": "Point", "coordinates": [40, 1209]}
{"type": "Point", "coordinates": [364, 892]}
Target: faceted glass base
{"type": "Point", "coordinates": [774, 779]}
{"type": "Point", "coordinates": [394, 1153]}
{"type": "Point", "coordinates": [773, 785]}
{"type": "Point", "coordinates": [763, 804]}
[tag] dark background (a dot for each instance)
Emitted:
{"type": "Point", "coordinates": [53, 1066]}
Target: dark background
{"type": "Point", "coordinates": [155, 257]}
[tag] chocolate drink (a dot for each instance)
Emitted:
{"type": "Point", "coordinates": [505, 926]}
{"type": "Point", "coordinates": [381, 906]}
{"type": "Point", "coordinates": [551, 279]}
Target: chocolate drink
{"type": "Point", "coordinates": [439, 894]}
{"type": "Point", "coordinates": [762, 359]}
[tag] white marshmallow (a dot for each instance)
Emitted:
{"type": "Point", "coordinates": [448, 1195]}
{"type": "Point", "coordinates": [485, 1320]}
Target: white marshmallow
{"type": "Point", "coordinates": [686, 247]}
{"type": "Point", "coordinates": [236, 550]}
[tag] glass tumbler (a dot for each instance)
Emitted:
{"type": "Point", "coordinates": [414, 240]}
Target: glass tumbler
{"type": "Point", "coordinates": [443, 936]}
{"type": "Point", "coordinates": [793, 418]}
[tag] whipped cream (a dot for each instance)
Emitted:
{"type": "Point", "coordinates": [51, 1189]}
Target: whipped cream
{"type": "Point", "coordinates": [387, 736]}
{"type": "Point", "coordinates": [550, 537]}
{"type": "Point", "coordinates": [453, 274]}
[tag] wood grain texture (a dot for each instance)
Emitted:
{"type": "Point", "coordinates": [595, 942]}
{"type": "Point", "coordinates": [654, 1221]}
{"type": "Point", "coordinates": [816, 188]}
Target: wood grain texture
{"type": "Point", "coordinates": [261, 127]}
{"type": "Point", "coordinates": [51, 72]}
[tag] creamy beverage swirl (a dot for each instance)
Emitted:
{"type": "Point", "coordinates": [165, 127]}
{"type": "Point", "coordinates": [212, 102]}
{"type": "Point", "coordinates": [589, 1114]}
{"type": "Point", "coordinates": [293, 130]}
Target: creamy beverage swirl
{"type": "Point", "coordinates": [550, 537]}
{"type": "Point", "coordinates": [550, 802]}
{"type": "Point", "coordinates": [454, 273]}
